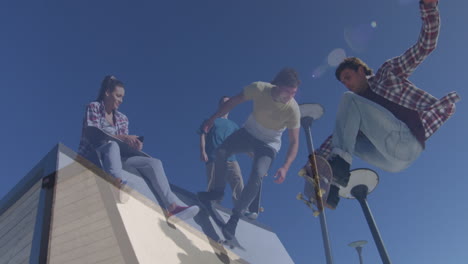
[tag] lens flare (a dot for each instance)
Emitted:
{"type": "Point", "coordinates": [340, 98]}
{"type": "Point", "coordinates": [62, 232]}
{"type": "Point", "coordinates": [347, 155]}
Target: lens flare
{"type": "Point", "coordinates": [358, 37]}
{"type": "Point", "coordinates": [319, 71]}
{"type": "Point", "coordinates": [335, 57]}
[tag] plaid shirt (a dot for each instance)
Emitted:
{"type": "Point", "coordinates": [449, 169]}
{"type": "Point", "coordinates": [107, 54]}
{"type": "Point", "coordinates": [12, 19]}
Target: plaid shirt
{"type": "Point", "coordinates": [391, 81]}
{"type": "Point", "coordinates": [95, 116]}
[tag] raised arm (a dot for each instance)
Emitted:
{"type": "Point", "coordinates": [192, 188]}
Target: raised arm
{"type": "Point", "coordinates": [406, 63]}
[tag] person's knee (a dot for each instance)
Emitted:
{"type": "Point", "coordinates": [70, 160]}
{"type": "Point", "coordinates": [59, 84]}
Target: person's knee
{"type": "Point", "coordinates": [394, 168]}
{"type": "Point", "coordinates": [257, 175]}
{"type": "Point", "coordinates": [156, 163]}
{"type": "Point", "coordinates": [348, 97]}
{"type": "Point", "coordinates": [110, 146]}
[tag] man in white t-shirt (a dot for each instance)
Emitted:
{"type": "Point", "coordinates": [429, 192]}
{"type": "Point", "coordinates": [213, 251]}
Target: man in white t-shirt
{"type": "Point", "coordinates": [274, 111]}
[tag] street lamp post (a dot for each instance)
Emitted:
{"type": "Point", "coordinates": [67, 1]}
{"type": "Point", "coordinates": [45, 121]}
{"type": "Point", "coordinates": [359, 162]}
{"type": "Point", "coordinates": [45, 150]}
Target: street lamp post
{"type": "Point", "coordinates": [361, 183]}
{"type": "Point", "coordinates": [309, 113]}
{"type": "Point", "coordinates": [358, 246]}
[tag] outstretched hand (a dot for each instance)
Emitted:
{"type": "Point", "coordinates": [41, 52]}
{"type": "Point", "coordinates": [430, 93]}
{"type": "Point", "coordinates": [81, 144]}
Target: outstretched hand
{"type": "Point", "coordinates": [280, 175]}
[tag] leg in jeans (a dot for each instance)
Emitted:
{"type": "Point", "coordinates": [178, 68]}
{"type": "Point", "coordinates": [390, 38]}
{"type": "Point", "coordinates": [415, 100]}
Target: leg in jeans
{"type": "Point", "coordinates": [109, 154]}
{"type": "Point", "coordinates": [239, 141]}
{"type": "Point", "coordinates": [234, 177]}
{"type": "Point", "coordinates": [263, 158]}
{"type": "Point", "coordinates": [394, 157]}
{"type": "Point", "coordinates": [209, 174]}
{"type": "Point", "coordinates": [387, 141]}
{"type": "Point", "coordinates": [152, 169]}
{"type": "Point", "coordinates": [210, 171]}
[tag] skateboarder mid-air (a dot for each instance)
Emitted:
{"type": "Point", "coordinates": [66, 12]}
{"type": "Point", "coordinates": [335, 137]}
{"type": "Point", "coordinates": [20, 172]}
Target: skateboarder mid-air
{"type": "Point", "coordinates": [274, 110]}
{"type": "Point", "coordinates": [384, 119]}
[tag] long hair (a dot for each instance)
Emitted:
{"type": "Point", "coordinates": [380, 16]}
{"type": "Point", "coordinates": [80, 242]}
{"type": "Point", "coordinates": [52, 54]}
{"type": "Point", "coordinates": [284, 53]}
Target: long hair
{"type": "Point", "coordinates": [108, 84]}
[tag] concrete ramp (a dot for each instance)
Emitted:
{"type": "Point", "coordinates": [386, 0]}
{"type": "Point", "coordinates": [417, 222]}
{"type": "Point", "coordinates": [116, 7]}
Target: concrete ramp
{"type": "Point", "coordinates": [72, 214]}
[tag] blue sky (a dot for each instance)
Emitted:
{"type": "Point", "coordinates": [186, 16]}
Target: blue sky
{"type": "Point", "coordinates": [178, 57]}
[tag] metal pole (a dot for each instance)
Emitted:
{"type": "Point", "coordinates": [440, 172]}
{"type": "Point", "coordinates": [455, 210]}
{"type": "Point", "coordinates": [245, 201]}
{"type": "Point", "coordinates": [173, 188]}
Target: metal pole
{"type": "Point", "coordinates": [359, 251]}
{"type": "Point", "coordinates": [360, 193]}
{"type": "Point", "coordinates": [306, 123]}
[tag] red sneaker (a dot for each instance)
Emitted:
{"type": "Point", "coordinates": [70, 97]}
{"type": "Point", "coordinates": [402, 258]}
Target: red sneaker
{"type": "Point", "coordinates": [181, 213]}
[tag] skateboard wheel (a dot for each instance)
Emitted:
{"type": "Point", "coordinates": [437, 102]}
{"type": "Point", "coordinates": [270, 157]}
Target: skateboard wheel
{"type": "Point", "coordinates": [299, 196]}
{"type": "Point", "coordinates": [302, 172]}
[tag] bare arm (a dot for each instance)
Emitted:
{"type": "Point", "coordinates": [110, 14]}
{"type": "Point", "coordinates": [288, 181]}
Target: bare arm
{"type": "Point", "coordinates": [203, 155]}
{"type": "Point", "coordinates": [293, 135]}
{"type": "Point", "coordinates": [293, 147]}
{"type": "Point", "coordinates": [224, 109]}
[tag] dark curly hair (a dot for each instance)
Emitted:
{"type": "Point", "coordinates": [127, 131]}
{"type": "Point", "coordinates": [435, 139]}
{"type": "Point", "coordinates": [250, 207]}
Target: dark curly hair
{"type": "Point", "coordinates": [354, 64]}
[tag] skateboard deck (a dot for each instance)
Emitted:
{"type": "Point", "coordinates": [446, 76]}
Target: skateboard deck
{"type": "Point", "coordinates": [218, 219]}
{"type": "Point", "coordinates": [310, 189]}
{"type": "Point", "coordinates": [99, 137]}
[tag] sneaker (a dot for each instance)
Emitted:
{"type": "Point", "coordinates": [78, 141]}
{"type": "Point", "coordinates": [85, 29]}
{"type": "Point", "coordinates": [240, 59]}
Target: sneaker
{"type": "Point", "coordinates": [181, 213]}
{"type": "Point", "coordinates": [121, 193]}
{"type": "Point", "coordinates": [229, 230]}
{"type": "Point", "coordinates": [340, 170]}
{"type": "Point", "coordinates": [251, 215]}
{"type": "Point", "coordinates": [333, 197]}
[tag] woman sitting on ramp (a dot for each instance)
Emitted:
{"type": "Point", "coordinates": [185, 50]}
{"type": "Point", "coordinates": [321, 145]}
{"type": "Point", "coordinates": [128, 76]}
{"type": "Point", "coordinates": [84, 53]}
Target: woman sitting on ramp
{"type": "Point", "coordinates": [103, 114]}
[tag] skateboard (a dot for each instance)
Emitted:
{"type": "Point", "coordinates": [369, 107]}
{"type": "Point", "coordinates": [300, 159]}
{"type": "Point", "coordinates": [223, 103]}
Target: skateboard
{"type": "Point", "coordinates": [218, 219]}
{"type": "Point", "coordinates": [99, 137]}
{"type": "Point", "coordinates": [316, 188]}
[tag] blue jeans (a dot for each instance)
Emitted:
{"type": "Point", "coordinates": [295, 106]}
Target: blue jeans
{"type": "Point", "coordinates": [150, 168]}
{"type": "Point", "coordinates": [385, 141]}
{"type": "Point", "coordinates": [242, 142]}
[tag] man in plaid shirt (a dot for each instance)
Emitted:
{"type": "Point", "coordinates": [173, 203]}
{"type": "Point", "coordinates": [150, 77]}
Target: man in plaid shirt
{"type": "Point", "coordinates": [384, 118]}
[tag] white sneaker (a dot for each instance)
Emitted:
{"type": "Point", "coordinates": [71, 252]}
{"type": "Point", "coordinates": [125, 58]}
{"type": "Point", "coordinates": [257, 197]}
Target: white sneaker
{"type": "Point", "coordinates": [181, 213]}
{"type": "Point", "coordinates": [251, 215]}
{"type": "Point", "coordinates": [121, 193]}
